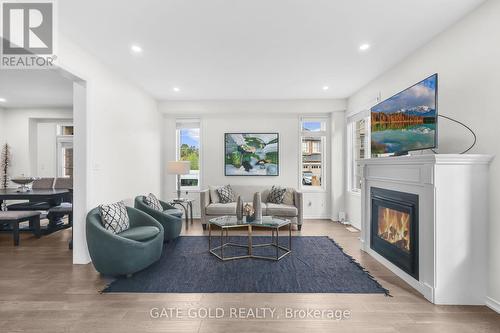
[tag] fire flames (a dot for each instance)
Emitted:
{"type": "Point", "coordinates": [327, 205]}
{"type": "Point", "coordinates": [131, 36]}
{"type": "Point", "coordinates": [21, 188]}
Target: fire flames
{"type": "Point", "coordinates": [394, 227]}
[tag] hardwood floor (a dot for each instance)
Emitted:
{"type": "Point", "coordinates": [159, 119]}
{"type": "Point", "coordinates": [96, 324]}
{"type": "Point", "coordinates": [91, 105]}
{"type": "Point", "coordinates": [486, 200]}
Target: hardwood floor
{"type": "Point", "coordinates": [41, 291]}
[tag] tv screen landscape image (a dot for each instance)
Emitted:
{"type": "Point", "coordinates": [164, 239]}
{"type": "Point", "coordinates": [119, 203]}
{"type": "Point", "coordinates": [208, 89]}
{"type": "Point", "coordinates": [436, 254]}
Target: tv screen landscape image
{"type": "Point", "coordinates": [406, 121]}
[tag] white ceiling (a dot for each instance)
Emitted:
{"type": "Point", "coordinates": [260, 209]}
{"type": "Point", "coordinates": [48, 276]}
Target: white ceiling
{"type": "Point", "coordinates": [35, 88]}
{"type": "Point", "coordinates": [255, 49]}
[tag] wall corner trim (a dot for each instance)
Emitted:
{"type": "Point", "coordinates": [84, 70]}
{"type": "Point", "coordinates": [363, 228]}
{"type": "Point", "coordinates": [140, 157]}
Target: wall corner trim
{"type": "Point", "coordinates": [493, 304]}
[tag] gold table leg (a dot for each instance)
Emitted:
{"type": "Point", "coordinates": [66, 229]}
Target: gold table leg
{"type": "Point", "coordinates": [209, 236]}
{"type": "Point", "coordinates": [249, 240]}
{"type": "Point", "coordinates": [277, 243]}
{"type": "Point", "coordinates": [222, 243]}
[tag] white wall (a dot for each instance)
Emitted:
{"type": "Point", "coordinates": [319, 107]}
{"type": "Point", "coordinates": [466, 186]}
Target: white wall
{"type": "Point", "coordinates": [288, 106]}
{"type": "Point", "coordinates": [337, 164]}
{"type": "Point", "coordinates": [2, 127]}
{"type": "Point", "coordinates": [119, 135]}
{"type": "Point", "coordinates": [262, 116]}
{"type": "Point", "coordinates": [353, 208]}
{"type": "Point", "coordinates": [467, 61]}
{"type": "Point", "coordinates": [123, 129]}
{"type": "Point", "coordinates": [20, 130]}
{"type": "Point", "coordinates": [45, 163]}
{"type": "Point", "coordinates": [46, 150]}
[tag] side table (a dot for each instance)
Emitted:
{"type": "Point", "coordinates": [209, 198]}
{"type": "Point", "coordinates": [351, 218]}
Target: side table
{"type": "Point", "coordinates": [187, 205]}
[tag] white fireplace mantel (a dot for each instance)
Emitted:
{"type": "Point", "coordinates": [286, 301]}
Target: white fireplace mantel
{"type": "Point", "coordinates": [453, 221]}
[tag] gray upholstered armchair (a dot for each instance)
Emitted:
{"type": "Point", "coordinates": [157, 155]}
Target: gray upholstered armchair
{"type": "Point", "coordinates": [170, 218]}
{"type": "Point", "coordinates": [127, 252]}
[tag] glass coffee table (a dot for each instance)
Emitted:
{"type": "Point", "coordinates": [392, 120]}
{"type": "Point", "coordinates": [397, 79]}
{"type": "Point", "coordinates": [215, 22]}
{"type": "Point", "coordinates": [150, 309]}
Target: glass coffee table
{"type": "Point", "coordinates": [267, 222]}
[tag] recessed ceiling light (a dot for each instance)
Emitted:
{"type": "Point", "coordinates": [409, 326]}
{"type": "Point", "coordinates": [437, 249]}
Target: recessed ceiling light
{"type": "Point", "coordinates": [136, 49]}
{"type": "Point", "coordinates": [325, 87]}
{"type": "Point", "coordinates": [176, 89]}
{"type": "Point", "coordinates": [364, 47]}
{"type": "Point", "coordinates": [2, 100]}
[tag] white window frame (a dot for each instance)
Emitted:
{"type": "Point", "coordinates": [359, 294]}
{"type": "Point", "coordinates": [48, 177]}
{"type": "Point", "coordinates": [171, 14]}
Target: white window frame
{"type": "Point", "coordinates": [183, 123]}
{"type": "Point", "coordinates": [351, 142]}
{"type": "Point", "coordinates": [324, 149]}
{"type": "Point", "coordinates": [60, 127]}
{"type": "Point", "coordinates": [62, 143]}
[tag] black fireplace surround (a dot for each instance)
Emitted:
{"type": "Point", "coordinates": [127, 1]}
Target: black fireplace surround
{"type": "Point", "coordinates": [396, 241]}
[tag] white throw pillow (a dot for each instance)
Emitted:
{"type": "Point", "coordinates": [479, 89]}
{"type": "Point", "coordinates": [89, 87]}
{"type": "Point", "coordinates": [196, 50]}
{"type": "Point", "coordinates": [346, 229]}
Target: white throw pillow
{"type": "Point", "coordinates": [214, 196]}
{"type": "Point", "coordinates": [114, 217]}
{"type": "Point", "coordinates": [152, 201]}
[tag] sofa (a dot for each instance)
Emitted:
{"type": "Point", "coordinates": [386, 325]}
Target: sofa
{"type": "Point", "coordinates": [292, 207]}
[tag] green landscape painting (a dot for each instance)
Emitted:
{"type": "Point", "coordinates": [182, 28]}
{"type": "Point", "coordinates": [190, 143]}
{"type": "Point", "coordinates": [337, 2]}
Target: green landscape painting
{"type": "Point", "coordinates": [251, 154]}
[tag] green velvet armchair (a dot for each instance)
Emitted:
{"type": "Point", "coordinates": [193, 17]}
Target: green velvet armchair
{"type": "Point", "coordinates": [127, 252]}
{"type": "Point", "coordinates": [169, 218]}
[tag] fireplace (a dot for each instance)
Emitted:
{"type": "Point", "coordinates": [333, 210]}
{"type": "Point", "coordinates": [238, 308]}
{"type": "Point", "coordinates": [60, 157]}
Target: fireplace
{"type": "Point", "coordinates": [394, 228]}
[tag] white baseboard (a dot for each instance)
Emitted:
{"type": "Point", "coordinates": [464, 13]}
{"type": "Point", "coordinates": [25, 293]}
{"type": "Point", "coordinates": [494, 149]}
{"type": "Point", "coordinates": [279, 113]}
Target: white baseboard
{"type": "Point", "coordinates": [346, 223]}
{"type": "Point", "coordinates": [319, 217]}
{"type": "Point", "coordinates": [493, 304]}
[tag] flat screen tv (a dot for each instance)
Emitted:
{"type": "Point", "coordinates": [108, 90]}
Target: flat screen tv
{"type": "Point", "coordinates": [407, 121]}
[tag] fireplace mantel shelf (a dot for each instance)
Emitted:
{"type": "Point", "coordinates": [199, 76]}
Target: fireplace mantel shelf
{"type": "Point", "coordinates": [430, 159]}
{"type": "Point", "coordinates": [453, 221]}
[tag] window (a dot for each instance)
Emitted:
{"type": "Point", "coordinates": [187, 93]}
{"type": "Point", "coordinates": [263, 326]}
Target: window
{"type": "Point", "coordinates": [359, 149]}
{"type": "Point", "coordinates": [316, 147]}
{"type": "Point", "coordinates": [313, 140]}
{"type": "Point", "coordinates": [304, 146]}
{"type": "Point", "coordinates": [188, 149]}
{"type": "Point", "coordinates": [66, 163]}
{"type": "Point", "coordinates": [66, 130]}
{"type": "Point", "coordinates": [64, 141]}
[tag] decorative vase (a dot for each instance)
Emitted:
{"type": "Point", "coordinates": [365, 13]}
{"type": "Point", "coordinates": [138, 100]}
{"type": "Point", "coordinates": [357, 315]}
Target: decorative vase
{"type": "Point", "coordinates": [239, 209]}
{"type": "Point", "coordinates": [257, 206]}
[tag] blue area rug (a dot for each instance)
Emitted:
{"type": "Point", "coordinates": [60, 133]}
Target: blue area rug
{"type": "Point", "coordinates": [316, 265]}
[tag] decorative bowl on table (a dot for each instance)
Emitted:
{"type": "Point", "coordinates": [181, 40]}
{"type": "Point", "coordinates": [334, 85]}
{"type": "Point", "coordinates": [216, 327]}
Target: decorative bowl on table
{"type": "Point", "coordinates": [24, 182]}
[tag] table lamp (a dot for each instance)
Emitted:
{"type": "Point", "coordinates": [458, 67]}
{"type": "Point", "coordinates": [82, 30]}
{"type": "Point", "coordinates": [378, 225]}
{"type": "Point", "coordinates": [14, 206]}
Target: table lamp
{"type": "Point", "coordinates": [178, 168]}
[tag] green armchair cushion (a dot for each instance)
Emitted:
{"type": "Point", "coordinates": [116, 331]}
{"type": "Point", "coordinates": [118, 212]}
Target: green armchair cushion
{"type": "Point", "coordinates": [140, 234]}
{"type": "Point", "coordinates": [174, 211]}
